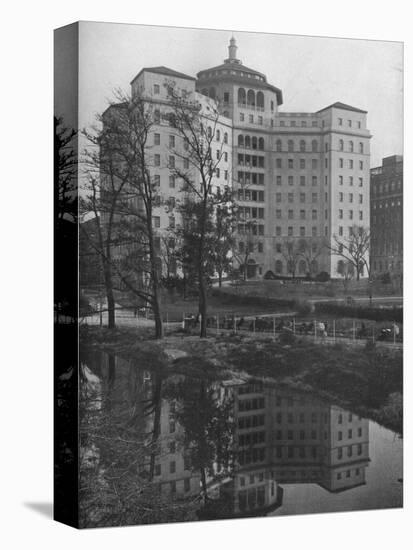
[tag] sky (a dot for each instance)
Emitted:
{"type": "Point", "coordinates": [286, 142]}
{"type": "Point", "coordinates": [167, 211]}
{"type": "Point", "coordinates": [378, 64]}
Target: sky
{"type": "Point", "coordinates": [312, 72]}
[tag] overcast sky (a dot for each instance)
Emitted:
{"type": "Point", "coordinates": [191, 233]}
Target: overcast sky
{"type": "Point", "coordinates": [311, 72]}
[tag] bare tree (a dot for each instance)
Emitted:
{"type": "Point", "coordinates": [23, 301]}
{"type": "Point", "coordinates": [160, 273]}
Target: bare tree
{"type": "Point", "coordinates": [243, 249]}
{"type": "Point", "coordinates": [197, 168]}
{"type": "Point", "coordinates": [291, 253]}
{"type": "Point", "coordinates": [120, 188]}
{"type": "Point", "coordinates": [354, 249]}
{"type": "Point", "coordinates": [310, 251]}
{"type": "Point", "coordinates": [346, 270]}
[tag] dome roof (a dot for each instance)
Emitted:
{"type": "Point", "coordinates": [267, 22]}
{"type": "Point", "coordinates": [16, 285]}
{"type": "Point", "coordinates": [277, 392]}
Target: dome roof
{"type": "Point", "coordinates": [234, 72]}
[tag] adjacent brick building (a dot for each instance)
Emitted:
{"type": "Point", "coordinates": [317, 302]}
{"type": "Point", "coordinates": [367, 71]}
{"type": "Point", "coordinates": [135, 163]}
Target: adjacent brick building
{"type": "Point", "coordinates": [386, 192]}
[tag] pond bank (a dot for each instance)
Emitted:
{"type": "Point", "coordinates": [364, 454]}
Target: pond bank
{"type": "Point", "coordinates": [368, 381]}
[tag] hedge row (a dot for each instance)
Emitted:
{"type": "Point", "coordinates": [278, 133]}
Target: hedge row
{"type": "Point", "coordinates": [227, 298]}
{"type": "Point", "coordinates": [360, 312]}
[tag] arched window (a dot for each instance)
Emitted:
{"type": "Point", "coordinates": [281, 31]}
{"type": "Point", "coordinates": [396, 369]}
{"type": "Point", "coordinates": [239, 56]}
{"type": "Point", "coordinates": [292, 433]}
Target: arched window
{"type": "Point", "coordinates": [251, 97]}
{"type": "Point", "coordinates": [340, 267]}
{"type": "Point", "coordinates": [240, 141]}
{"type": "Point", "coordinates": [302, 146]}
{"type": "Point", "coordinates": [290, 146]}
{"type": "Point", "coordinates": [157, 116]}
{"type": "Point", "coordinates": [260, 100]}
{"type": "Point", "coordinates": [209, 132]}
{"type": "Point", "coordinates": [314, 146]}
{"type": "Point", "coordinates": [302, 267]}
{"type": "Point", "coordinates": [247, 142]}
{"type": "Point", "coordinates": [261, 143]}
{"type": "Point", "coordinates": [254, 142]}
{"type": "Point", "coordinates": [204, 91]}
{"type": "Point", "coordinates": [278, 266]}
{"type": "Point", "coordinates": [361, 148]}
{"type": "Point", "coordinates": [212, 93]}
{"type": "Point", "coordinates": [279, 146]}
{"type": "Point", "coordinates": [218, 135]}
{"type": "Point", "coordinates": [341, 145]}
{"type": "Point", "coordinates": [351, 147]}
{"type": "Point", "coordinates": [241, 96]}
{"type": "Point", "coordinates": [225, 138]}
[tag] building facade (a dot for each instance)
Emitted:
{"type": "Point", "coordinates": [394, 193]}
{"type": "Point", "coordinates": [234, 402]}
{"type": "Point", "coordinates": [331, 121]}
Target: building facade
{"type": "Point", "coordinates": [386, 195]}
{"type": "Point", "coordinates": [299, 179]}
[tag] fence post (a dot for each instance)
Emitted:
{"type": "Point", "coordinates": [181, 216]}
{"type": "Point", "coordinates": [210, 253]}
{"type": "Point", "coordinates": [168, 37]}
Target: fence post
{"type": "Point", "coordinates": [354, 330]}
{"type": "Point", "coordinates": [166, 321]}
{"type": "Point", "coordinates": [273, 326]}
{"type": "Point", "coordinates": [315, 330]}
{"type": "Point", "coordinates": [235, 325]}
{"type": "Point", "coordinates": [253, 325]}
{"type": "Point", "coordinates": [294, 325]}
{"type": "Point", "coordinates": [374, 331]}
{"type": "Point", "coordinates": [334, 330]}
{"type": "Point", "coordinates": [217, 323]}
{"type": "Point", "coordinates": [183, 320]}
{"type": "Point", "coordinates": [394, 334]}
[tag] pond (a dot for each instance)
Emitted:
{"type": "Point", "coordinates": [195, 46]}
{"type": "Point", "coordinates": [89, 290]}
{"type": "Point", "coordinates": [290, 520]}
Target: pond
{"type": "Point", "coordinates": [158, 446]}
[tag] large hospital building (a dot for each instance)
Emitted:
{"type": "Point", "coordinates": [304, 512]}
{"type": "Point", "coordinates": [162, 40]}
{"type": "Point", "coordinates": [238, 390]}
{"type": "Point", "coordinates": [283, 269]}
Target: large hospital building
{"type": "Point", "coordinates": [296, 176]}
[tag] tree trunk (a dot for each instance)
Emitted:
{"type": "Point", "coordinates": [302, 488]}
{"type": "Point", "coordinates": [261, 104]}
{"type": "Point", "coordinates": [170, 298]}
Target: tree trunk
{"type": "Point", "coordinates": [109, 294]}
{"type": "Point", "coordinates": [202, 302]}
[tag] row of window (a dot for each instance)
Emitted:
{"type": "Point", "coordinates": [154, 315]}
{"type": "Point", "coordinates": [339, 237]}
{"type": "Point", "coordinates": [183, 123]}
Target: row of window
{"type": "Point", "coordinates": [303, 197]}
{"type": "Point", "coordinates": [252, 438]}
{"type": "Point", "coordinates": [350, 164]}
{"type": "Point", "coordinates": [250, 195]}
{"type": "Point", "coordinates": [251, 404]}
{"type": "Point", "coordinates": [350, 197]}
{"type": "Point", "coordinates": [385, 187]}
{"type": "Point", "coordinates": [350, 181]}
{"type": "Point", "coordinates": [349, 123]}
{"type": "Point", "coordinates": [350, 214]}
{"type": "Point", "coordinates": [251, 142]}
{"type": "Point", "coordinates": [298, 452]}
{"type": "Point", "coordinates": [350, 230]}
{"type": "Point", "coordinates": [256, 454]}
{"type": "Point", "coordinates": [170, 119]}
{"type": "Point", "coordinates": [250, 229]}
{"type": "Point", "coordinates": [349, 433]}
{"type": "Point", "coordinates": [252, 421]}
{"type": "Point", "coordinates": [290, 214]}
{"type": "Point", "coordinates": [314, 248]}
{"type": "Point", "coordinates": [246, 213]}
{"type": "Point", "coordinates": [187, 485]}
{"type": "Point", "coordinates": [294, 123]}
{"type": "Point", "coordinates": [302, 180]}
{"type": "Point", "coordinates": [302, 163]}
{"type": "Point", "coordinates": [348, 473]}
{"type": "Point", "coordinates": [385, 204]}
{"type": "Point", "coordinates": [359, 451]}
{"type": "Point", "coordinates": [251, 160]}
{"type": "Point", "coordinates": [253, 478]}
{"type": "Point", "coordinates": [302, 146]}
{"type": "Point", "coordinates": [279, 434]}
{"type": "Point", "coordinates": [259, 120]}
{"type": "Point", "coordinates": [302, 231]}
{"type": "Point", "coordinates": [248, 178]}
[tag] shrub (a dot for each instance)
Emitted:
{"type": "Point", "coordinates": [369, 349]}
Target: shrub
{"type": "Point", "coordinates": [360, 312]}
{"type": "Point", "coordinates": [322, 277]}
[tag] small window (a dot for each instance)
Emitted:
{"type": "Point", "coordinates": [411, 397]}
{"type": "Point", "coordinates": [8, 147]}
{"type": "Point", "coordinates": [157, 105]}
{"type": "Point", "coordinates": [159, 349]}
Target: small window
{"type": "Point", "coordinates": [157, 139]}
{"type": "Point", "coordinates": [156, 89]}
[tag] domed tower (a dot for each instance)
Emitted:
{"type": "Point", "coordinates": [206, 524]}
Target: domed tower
{"type": "Point", "coordinates": [244, 94]}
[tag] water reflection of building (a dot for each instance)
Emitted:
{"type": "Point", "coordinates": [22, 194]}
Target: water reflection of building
{"type": "Point", "coordinates": [280, 437]}
{"type": "Point", "coordinates": [285, 437]}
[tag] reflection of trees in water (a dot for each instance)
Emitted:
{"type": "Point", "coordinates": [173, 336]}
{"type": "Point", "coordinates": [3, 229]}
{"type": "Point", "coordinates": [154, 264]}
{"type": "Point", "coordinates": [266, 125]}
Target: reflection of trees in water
{"type": "Point", "coordinates": [121, 441]}
{"type": "Point", "coordinates": [206, 419]}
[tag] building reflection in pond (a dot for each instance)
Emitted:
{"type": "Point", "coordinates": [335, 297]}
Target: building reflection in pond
{"type": "Point", "coordinates": [276, 437]}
